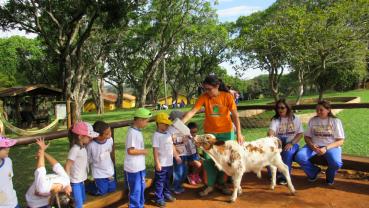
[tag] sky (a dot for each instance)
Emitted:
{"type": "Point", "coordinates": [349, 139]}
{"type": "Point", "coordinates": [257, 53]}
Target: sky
{"type": "Point", "coordinates": [228, 10]}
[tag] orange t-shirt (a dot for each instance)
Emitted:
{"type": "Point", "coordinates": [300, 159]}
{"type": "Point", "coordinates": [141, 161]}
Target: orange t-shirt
{"type": "Point", "coordinates": [217, 112]}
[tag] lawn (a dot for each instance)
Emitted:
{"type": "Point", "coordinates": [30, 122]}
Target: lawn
{"type": "Point", "coordinates": [355, 124]}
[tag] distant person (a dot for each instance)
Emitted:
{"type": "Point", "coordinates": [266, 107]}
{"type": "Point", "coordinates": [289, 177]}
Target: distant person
{"type": "Point", "coordinates": [324, 136]}
{"type": "Point", "coordinates": [288, 128]}
{"type": "Point", "coordinates": [182, 104]}
{"type": "Point", "coordinates": [164, 107]}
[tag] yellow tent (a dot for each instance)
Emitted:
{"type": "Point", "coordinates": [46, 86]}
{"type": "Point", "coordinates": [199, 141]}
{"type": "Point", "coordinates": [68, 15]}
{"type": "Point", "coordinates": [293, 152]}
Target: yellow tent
{"type": "Point", "coordinates": [129, 101]}
{"type": "Point", "coordinates": [180, 97]}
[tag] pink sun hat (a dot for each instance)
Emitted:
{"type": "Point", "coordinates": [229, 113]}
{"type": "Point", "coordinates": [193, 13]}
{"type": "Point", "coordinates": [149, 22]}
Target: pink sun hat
{"type": "Point", "coordinates": [84, 129]}
{"type": "Point", "coordinates": [6, 142]}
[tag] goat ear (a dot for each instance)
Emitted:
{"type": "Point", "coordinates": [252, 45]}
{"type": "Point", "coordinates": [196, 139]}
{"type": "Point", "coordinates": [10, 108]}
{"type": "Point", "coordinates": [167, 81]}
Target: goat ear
{"type": "Point", "coordinates": [219, 143]}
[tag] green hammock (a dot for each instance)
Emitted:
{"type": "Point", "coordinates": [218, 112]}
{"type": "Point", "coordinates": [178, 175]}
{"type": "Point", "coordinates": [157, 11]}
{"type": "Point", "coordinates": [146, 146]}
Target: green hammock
{"type": "Point", "coordinates": [23, 132]}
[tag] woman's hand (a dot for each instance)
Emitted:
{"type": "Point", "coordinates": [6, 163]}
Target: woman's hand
{"type": "Point", "coordinates": [178, 160]}
{"type": "Point", "coordinates": [240, 138]}
{"type": "Point", "coordinates": [41, 144]}
{"type": "Point", "coordinates": [158, 167]}
{"type": "Point", "coordinates": [288, 147]}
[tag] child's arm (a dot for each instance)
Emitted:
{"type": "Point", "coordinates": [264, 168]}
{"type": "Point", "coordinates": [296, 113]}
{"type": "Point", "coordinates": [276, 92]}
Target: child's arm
{"type": "Point", "coordinates": [41, 152]}
{"type": "Point", "coordinates": [156, 159]}
{"type": "Point", "coordinates": [51, 159]}
{"type": "Point", "coordinates": [176, 155]}
{"type": "Point", "coordinates": [68, 166]}
{"type": "Point", "coordinates": [133, 151]}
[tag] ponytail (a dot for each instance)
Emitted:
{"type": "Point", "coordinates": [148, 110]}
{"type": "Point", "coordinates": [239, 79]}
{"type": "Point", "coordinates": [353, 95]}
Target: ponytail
{"type": "Point", "coordinates": [214, 81]}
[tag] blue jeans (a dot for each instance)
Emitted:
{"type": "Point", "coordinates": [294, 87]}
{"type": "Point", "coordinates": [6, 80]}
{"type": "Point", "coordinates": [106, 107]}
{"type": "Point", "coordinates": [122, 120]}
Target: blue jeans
{"type": "Point", "coordinates": [287, 157]}
{"type": "Point", "coordinates": [135, 182]}
{"type": "Point", "coordinates": [333, 157]}
{"type": "Point", "coordinates": [102, 186]}
{"type": "Point", "coordinates": [161, 183]}
{"type": "Point", "coordinates": [79, 194]}
{"type": "Point", "coordinates": [179, 173]}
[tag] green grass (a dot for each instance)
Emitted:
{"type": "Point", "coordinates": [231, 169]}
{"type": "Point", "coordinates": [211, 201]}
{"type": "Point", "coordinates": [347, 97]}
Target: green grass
{"type": "Point", "coordinates": [355, 125]}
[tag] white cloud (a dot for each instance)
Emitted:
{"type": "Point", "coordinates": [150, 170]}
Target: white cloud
{"type": "Point", "coordinates": [242, 10]}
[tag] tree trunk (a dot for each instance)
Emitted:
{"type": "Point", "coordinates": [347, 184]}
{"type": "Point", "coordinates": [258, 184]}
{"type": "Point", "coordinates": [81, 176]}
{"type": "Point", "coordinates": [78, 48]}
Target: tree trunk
{"type": "Point", "coordinates": [142, 96]}
{"type": "Point", "coordinates": [100, 98]}
{"type": "Point", "coordinates": [120, 99]}
{"type": "Point", "coordinates": [301, 87]}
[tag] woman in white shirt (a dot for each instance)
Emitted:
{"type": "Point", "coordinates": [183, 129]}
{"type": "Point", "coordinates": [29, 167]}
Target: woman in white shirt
{"type": "Point", "coordinates": [324, 136]}
{"type": "Point", "coordinates": [49, 190]}
{"type": "Point", "coordinates": [288, 128]}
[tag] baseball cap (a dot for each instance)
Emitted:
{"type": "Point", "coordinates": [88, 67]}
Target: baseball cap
{"type": "Point", "coordinates": [163, 118]}
{"type": "Point", "coordinates": [6, 142]}
{"type": "Point", "coordinates": [142, 113]}
{"type": "Point", "coordinates": [84, 129]}
{"type": "Point", "coordinates": [176, 114]}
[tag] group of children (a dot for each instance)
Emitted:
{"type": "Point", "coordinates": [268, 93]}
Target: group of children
{"type": "Point", "coordinates": [172, 151]}
{"type": "Point", "coordinates": [91, 148]}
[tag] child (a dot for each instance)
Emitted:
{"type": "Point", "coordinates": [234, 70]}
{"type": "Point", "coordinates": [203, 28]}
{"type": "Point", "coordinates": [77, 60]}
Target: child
{"type": "Point", "coordinates": [77, 163]}
{"type": "Point", "coordinates": [193, 158]}
{"type": "Point", "coordinates": [163, 157]}
{"type": "Point", "coordinates": [49, 190]}
{"type": "Point", "coordinates": [102, 167]}
{"type": "Point", "coordinates": [134, 161]}
{"type": "Point", "coordinates": [7, 192]}
{"type": "Point", "coordinates": [179, 141]}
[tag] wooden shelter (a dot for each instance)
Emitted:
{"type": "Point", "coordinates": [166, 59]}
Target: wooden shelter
{"type": "Point", "coordinates": [29, 95]}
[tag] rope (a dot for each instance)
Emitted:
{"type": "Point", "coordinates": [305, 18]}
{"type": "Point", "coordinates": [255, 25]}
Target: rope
{"type": "Point", "coordinates": [23, 132]}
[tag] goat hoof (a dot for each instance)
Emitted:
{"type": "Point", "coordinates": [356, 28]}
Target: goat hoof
{"type": "Point", "coordinates": [231, 200]}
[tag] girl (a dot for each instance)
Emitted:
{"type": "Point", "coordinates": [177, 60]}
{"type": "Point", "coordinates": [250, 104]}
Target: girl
{"type": "Point", "coordinates": [77, 163]}
{"type": "Point", "coordinates": [288, 128]}
{"type": "Point", "coordinates": [49, 190]}
{"type": "Point", "coordinates": [7, 193]}
{"type": "Point", "coordinates": [324, 136]}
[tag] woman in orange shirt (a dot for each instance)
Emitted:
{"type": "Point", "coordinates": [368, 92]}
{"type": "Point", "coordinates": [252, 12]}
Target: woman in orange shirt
{"type": "Point", "coordinates": [220, 115]}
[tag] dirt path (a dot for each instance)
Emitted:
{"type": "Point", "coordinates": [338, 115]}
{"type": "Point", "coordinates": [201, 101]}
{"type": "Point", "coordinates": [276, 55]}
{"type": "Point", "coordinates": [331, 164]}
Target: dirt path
{"type": "Point", "coordinates": [344, 193]}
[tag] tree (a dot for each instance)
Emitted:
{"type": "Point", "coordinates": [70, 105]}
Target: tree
{"type": "Point", "coordinates": [64, 26]}
{"type": "Point", "coordinates": [258, 45]}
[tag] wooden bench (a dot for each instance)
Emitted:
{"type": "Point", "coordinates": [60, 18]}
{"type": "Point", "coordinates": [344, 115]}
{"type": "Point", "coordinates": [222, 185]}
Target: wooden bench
{"type": "Point", "coordinates": [350, 162]}
{"type": "Point", "coordinates": [109, 199]}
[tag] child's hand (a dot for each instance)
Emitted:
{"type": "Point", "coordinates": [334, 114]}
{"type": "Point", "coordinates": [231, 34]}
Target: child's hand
{"type": "Point", "coordinates": [41, 143]}
{"type": "Point", "coordinates": [158, 167]}
{"type": "Point", "coordinates": [178, 160]}
{"type": "Point", "coordinates": [145, 151]}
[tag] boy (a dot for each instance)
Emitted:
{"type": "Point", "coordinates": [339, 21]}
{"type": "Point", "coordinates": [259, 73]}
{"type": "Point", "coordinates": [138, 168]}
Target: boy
{"type": "Point", "coordinates": [99, 155]}
{"type": "Point", "coordinates": [134, 161]}
{"type": "Point", "coordinates": [163, 157]}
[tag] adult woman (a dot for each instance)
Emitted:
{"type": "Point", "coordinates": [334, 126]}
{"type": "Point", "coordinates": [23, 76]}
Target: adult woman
{"type": "Point", "coordinates": [324, 136]}
{"type": "Point", "coordinates": [220, 115]}
{"type": "Point", "coordinates": [288, 128]}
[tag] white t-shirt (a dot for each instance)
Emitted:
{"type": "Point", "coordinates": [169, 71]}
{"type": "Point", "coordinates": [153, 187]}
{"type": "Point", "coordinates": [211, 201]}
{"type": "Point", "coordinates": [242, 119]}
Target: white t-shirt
{"type": "Point", "coordinates": [285, 127]}
{"type": "Point", "coordinates": [8, 197]}
{"type": "Point", "coordinates": [183, 144]}
{"type": "Point", "coordinates": [134, 163]}
{"type": "Point", "coordinates": [39, 192]}
{"type": "Point", "coordinates": [324, 131]}
{"type": "Point", "coordinates": [99, 156]}
{"type": "Point", "coordinates": [79, 169]}
{"type": "Point", "coordinates": [164, 143]}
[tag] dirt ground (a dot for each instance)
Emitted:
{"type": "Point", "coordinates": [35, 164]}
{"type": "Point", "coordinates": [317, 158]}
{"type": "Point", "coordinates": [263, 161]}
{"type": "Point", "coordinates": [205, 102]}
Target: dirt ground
{"type": "Point", "coordinates": [346, 192]}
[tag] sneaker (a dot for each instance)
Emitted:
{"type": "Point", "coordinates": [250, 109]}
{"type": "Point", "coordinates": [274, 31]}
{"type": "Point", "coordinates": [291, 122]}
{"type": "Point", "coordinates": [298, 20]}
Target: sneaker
{"type": "Point", "coordinates": [282, 182]}
{"type": "Point", "coordinates": [315, 178]}
{"type": "Point", "coordinates": [197, 178]}
{"type": "Point", "coordinates": [170, 198]}
{"type": "Point", "coordinates": [159, 203]}
{"type": "Point", "coordinates": [179, 191]}
{"type": "Point", "coordinates": [330, 183]}
{"type": "Point", "coordinates": [191, 179]}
